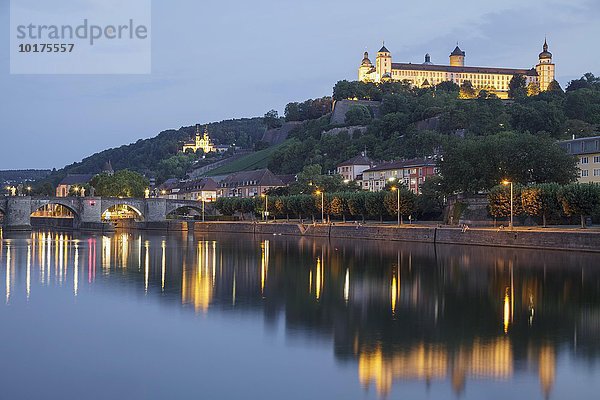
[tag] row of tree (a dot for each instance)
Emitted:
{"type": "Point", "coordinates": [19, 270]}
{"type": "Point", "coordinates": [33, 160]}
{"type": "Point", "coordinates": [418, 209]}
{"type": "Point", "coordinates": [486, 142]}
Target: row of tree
{"type": "Point", "coordinates": [358, 205]}
{"type": "Point", "coordinates": [545, 201]}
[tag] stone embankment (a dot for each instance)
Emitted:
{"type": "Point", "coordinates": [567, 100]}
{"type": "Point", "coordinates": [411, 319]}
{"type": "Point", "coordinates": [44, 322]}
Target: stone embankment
{"type": "Point", "coordinates": [551, 239]}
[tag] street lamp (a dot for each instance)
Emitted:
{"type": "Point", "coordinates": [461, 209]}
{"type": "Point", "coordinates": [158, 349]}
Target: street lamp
{"type": "Point", "coordinates": [322, 204]}
{"type": "Point", "coordinates": [395, 189]}
{"type": "Point", "coordinates": [266, 212]}
{"type": "Point", "coordinates": [507, 182]}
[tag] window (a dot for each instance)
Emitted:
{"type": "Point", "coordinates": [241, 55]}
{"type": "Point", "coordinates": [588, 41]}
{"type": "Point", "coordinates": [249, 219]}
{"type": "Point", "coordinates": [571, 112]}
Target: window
{"type": "Point", "coordinates": [596, 159]}
{"type": "Point", "coordinates": [584, 160]}
{"type": "Point", "coordinates": [584, 172]}
{"type": "Point", "coordinates": [596, 172]}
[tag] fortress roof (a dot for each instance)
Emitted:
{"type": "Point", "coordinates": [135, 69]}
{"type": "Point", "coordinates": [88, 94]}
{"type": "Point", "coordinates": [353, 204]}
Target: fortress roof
{"type": "Point", "coordinates": [383, 50]}
{"type": "Point", "coordinates": [457, 52]}
{"type": "Point", "coordinates": [470, 70]}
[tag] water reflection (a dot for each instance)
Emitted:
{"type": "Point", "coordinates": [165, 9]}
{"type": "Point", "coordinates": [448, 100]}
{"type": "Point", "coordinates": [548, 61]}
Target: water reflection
{"type": "Point", "coordinates": [397, 312]}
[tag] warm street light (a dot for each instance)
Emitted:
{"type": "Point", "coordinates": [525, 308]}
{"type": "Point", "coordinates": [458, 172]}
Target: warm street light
{"type": "Point", "coordinates": [395, 189]}
{"type": "Point", "coordinates": [507, 182]}
{"type": "Point", "coordinates": [322, 204]}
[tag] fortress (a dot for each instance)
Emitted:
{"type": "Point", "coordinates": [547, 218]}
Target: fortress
{"type": "Point", "coordinates": [492, 79]}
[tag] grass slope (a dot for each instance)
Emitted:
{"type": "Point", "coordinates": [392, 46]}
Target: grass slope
{"type": "Point", "coordinates": [251, 162]}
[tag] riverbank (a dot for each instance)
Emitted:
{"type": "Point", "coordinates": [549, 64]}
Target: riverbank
{"type": "Point", "coordinates": [537, 238]}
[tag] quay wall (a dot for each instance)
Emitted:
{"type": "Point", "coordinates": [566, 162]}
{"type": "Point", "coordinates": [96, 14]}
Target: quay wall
{"type": "Point", "coordinates": [581, 240]}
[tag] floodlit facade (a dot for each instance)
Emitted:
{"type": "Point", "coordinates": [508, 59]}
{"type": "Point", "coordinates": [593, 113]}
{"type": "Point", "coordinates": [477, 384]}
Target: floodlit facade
{"type": "Point", "coordinates": [410, 173]}
{"type": "Point", "coordinates": [203, 141]}
{"type": "Point", "coordinates": [492, 79]}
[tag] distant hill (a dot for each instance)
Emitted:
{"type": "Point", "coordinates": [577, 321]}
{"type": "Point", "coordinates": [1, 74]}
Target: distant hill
{"type": "Point", "coordinates": [145, 155]}
{"type": "Point", "coordinates": [22, 175]}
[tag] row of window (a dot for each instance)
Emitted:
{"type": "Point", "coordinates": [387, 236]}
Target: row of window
{"type": "Point", "coordinates": [585, 173]}
{"type": "Point", "coordinates": [586, 160]}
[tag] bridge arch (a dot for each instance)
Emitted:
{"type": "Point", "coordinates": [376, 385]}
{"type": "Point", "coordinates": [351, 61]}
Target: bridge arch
{"type": "Point", "coordinates": [70, 205]}
{"type": "Point", "coordinates": [113, 205]}
{"type": "Point", "coordinates": [173, 209]}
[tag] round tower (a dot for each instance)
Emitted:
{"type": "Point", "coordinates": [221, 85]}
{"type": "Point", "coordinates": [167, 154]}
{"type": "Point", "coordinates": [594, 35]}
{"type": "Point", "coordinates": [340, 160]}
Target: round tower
{"type": "Point", "coordinates": [365, 68]}
{"type": "Point", "coordinates": [457, 57]}
{"type": "Point", "coordinates": [383, 64]}
{"type": "Point", "coordinates": [545, 68]}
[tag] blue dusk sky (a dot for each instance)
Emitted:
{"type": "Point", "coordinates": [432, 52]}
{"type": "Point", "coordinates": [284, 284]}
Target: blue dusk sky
{"type": "Point", "coordinates": [231, 59]}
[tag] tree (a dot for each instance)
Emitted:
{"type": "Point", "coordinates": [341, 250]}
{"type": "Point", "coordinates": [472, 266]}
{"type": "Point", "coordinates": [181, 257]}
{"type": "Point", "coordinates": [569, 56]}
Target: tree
{"type": "Point", "coordinates": [123, 183]}
{"type": "Point", "coordinates": [516, 86]}
{"type": "Point", "coordinates": [407, 202]}
{"type": "Point", "coordinates": [475, 164]}
{"type": "Point", "coordinates": [541, 200]}
{"type": "Point", "coordinates": [432, 199]}
{"type": "Point", "coordinates": [358, 115]}
{"type": "Point", "coordinates": [554, 86]}
{"type": "Point", "coordinates": [499, 201]}
{"type": "Point", "coordinates": [587, 81]}
{"type": "Point", "coordinates": [271, 119]}
{"type": "Point", "coordinates": [533, 89]}
{"type": "Point", "coordinates": [374, 204]}
{"type": "Point", "coordinates": [581, 199]}
{"type": "Point", "coordinates": [339, 206]}
{"type": "Point", "coordinates": [357, 204]}
{"type": "Point", "coordinates": [448, 86]}
{"type": "Point", "coordinates": [292, 112]}
{"type": "Point", "coordinates": [467, 91]}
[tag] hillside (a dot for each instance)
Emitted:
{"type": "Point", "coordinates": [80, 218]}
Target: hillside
{"type": "Point", "coordinates": [149, 156]}
{"type": "Point", "coordinates": [257, 160]}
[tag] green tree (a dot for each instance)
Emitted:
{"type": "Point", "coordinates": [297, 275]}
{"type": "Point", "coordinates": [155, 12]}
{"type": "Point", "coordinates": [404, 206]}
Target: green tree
{"type": "Point", "coordinates": [123, 183]}
{"type": "Point", "coordinates": [374, 204]}
{"type": "Point", "coordinates": [358, 115]}
{"type": "Point", "coordinates": [271, 119]}
{"type": "Point", "coordinates": [499, 201]}
{"type": "Point", "coordinates": [339, 206]}
{"type": "Point", "coordinates": [467, 91]}
{"type": "Point", "coordinates": [516, 86]}
{"type": "Point", "coordinates": [407, 202]}
{"type": "Point", "coordinates": [476, 164]}
{"type": "Point", "coordinates": [357, 204]}
{"type": "Point", "coordinates": [581, 199]}
{"type": "Point", "coordinates": [533, 89]}
{"type": "Point", "coordinates": [541, 200]}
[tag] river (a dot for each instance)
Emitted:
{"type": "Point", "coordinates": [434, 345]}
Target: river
{"type": "Point", "coordinates": [142, 315]}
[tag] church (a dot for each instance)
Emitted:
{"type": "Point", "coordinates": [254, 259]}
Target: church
{"type": "Point", "coordinates": [492, 79]}
{"type": "Point", "coordinates": [203, 141]}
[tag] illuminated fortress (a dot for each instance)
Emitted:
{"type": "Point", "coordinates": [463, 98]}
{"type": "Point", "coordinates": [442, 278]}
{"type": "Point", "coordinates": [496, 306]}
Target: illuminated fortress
{"type": "Point", "coordinates": [492, 79]}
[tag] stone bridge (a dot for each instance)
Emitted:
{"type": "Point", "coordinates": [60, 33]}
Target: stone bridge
{"type": "Point", "coordinates": [87, 210]}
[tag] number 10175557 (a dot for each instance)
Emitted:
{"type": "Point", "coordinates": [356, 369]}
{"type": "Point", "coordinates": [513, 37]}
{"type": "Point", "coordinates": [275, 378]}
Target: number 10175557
{"type": "Point", "coordinates": [46, 48]}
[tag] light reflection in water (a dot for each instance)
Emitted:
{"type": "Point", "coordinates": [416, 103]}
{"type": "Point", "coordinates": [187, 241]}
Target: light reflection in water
{"type": "Point", "coordinates": [430, 300]}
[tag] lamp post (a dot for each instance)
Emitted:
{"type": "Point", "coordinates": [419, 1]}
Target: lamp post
{"type": "Point", "coordinates": [507, 182]}
{"type": "Point", "coordinates": [397, 190]}
{"type": "Point", "coordinates": [322, 204]}
{"type": "Point", "coordinates": [203, 201]}
{"type": "Point", "coordinates": [266, 212]}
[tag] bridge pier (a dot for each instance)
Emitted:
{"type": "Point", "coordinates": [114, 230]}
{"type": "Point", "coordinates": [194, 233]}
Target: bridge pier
{"type": "Point", "coordinates": [18, 214]}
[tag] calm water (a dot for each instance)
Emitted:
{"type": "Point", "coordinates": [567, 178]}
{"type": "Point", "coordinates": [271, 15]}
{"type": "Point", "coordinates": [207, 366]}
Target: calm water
{"type": "Point", "coordinates": [135, 315]}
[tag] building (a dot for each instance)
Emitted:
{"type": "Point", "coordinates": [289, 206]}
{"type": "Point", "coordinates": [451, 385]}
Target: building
{"type": "Point", "coordinates": [492, 79]}
{"type": "Point", "coordinates": [169, 189]}
{"type": "Point", "coordinates": [352, 168]}
{"type": "Point", "coordinates": [248, 183]}
{"type": "Point", "coordinates": [587, 151]}
{"type": "Point", "coordinates": [63, 188]}
{"type": "Point", "coordinates": [203, 141]}
{"type": "Point", "coordinates": [411, 173]}
{"type": "Point", "coordinates": [202, 189]}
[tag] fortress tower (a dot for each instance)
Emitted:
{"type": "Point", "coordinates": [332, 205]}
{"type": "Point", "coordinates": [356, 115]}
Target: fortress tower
{"type": "Point", "coordinates": [545, 68]}
{"type": "Point", "coordinates": [457, 57]}
{"type": "Point", "coordinates": [383, 64]}
{"type": "Point", "coordinates": [365, 68]}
